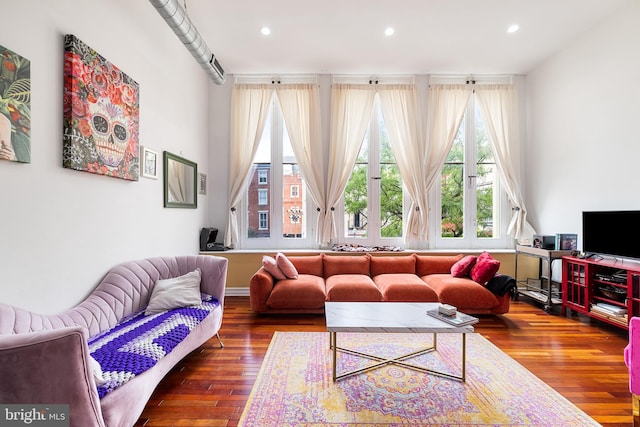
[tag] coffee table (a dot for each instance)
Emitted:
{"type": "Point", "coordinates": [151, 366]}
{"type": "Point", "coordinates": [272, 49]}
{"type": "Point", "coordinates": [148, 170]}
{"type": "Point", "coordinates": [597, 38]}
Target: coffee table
{"type": "Point", "coordinates": [389, 317]}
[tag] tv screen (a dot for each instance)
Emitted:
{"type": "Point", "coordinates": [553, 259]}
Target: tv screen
{"type": "Point", "coordinates": [614, 233]}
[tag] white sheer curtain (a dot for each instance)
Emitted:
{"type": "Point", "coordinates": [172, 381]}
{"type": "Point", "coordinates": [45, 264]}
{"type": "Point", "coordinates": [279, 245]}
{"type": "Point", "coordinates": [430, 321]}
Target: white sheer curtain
{"type": "Point", "coordinates": [446, 107]}
{"type": "Point", "coordinates": [420, 148]}
{"type": "Point", "coordinates": [499, 108]}
{"type": "Point", "coordinates": [406, 136]}
{"type": "Point", "coordinates": [300, 104]}
{"type": "Point", "coordinates": [351, 107]}
{"type": "Point", "coordinates": [249, 109]}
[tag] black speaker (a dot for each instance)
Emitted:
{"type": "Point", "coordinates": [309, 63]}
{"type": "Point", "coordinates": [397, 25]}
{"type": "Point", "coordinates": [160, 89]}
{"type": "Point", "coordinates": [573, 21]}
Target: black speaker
{"type": "Point", "coordinates": [207, 237]}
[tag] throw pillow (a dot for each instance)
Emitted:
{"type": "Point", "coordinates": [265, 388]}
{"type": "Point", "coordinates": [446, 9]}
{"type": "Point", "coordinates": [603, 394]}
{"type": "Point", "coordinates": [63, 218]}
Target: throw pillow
{"type": "Point", "coordinates": [484, 255]}
{"type": "Point", "coordinates": [286, 266]}
{"type": "Point", "coordinates": [176, 292]}
{"type": "Point", "coordinates": [485, 268]}
{"type": "Point", "coordinates": [463, 267]}
{"type": "Point", "coordinates": [96, 370]}
{"type": "Point", "coordinates": [269, 264]}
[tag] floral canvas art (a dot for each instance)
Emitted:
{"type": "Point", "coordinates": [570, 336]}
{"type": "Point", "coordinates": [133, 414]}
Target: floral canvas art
{"type": "Point", "coordinates": [101, 114]}
{"type": "Point", "coordinates": [15, 107]}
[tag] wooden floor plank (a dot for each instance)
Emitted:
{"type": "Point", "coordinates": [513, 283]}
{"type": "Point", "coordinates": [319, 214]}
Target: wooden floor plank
{"type": "Point", "coordinates": [581, 358]}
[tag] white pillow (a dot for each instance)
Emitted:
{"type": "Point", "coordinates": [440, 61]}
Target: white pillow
{"type": "Point", "coordinates": [270, 264]}
{"type": "Point", "coordinates": [177, 292]}
{"type": "Point", "coordinates": [286, 266]}
{"type": "Point", "coordinates": [96, 370]}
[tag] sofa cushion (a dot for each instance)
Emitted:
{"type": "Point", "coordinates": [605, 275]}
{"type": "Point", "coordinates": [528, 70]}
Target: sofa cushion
{"type": "Point", "coordinates": [463, 267]}
{"type": "Point", "coordinates": [392, 264]}
{"type": "Point", "coordinates": [404, 287]}
{"type": "Point", "coordinates": [270, 264]}
{"type": "Point", "coordinates": [305, 292]}
{"type": "Point", "coordinates": [308, 264]}
{"type": "Point", "coordinates": [352, 287]}
{"type": "Point", "coordinates": [350, 264]}
{"type": "Point", "coordinates": [484, 269]}
{"type": "Point", "coordinates": [286, 266]}
{"type": "Point", "coordinates": [461, 292]}
{"type": "Point", "coordinates": [435, 264]}
{"type": "Point", "coordinates": [182, 291]}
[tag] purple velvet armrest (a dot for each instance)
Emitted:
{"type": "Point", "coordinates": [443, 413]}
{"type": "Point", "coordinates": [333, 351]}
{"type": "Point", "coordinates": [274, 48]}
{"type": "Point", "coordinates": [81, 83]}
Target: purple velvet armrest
{"type": "Point", "coordinates": [50, 367]}
{"type": "Point", "coordinates": [632, 355]}
{"type": "Point", "coordinates": [214, 274]}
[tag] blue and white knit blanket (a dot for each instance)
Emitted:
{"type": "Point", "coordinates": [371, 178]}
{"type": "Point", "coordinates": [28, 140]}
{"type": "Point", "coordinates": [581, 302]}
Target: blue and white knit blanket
{"type": "Point", "coordinates": [138, 342]}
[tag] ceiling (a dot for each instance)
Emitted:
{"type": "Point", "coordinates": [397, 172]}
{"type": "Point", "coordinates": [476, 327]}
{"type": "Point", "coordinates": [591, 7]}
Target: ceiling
{"type": "Point", "coordinates": [431, 36]}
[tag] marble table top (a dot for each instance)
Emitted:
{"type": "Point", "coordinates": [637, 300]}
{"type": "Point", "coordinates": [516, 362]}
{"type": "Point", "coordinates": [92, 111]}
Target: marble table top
{"type": "Point", "coordinates": [389, 317]}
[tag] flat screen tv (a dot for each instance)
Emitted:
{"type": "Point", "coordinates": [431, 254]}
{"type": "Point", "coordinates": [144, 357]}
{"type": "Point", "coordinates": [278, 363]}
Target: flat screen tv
{"type": "Point", "coordinates": [615, 233]}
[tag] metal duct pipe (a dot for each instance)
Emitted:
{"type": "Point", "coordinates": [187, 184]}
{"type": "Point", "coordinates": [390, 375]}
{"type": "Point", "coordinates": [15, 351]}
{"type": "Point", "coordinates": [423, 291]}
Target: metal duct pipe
{"type": "Point", "coordinates": [180, 23]}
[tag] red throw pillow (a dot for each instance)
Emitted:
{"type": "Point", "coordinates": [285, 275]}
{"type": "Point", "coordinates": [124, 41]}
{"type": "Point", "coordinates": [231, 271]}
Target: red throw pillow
{"type": "Point", "coordinates": [485, 268]}
{"type": "Point", "coordinates": [286, 266]}
{"type": "Point", "coordinates": [485, 255]}
{"type": "Point", "coordinates": [463, 267]}
{"type": "Point", "coordinates": [269, 264]}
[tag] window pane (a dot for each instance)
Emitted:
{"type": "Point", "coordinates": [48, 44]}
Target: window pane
{"type": "Point", "coordinates": [263, 220]}
{"type": "Point", "coordinates": [356, 202]}
{"type": "Point", "coordinates": [258, 191]}
{"type": "Point", "coordinates": [390, 188]}
{"type": "Point", "coordinates": [262, 195]}
{"type": "Point", "coordinates": [258, 201]}
{"type": "Point", "coordinates": [452, 222]}
{"type": "Point", "coordinates": [390, 201]}
{"type": "Point", "coordinates": [293, 192]}
{"type": "Point", "coordinates": [263, 154]}
{"type": "Point", "coordinates": [293, 218]}
{"type": "Point", "coordinates": [484, 194]}
{"type": "Point", "coordinates": [485, 179]}
{"type": "Point", "coordinates": [386, 155]}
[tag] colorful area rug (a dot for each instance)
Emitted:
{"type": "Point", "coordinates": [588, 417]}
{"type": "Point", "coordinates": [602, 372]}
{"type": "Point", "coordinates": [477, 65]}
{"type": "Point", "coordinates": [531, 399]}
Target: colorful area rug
{"type": "Point", "coordinates": [294, 387]}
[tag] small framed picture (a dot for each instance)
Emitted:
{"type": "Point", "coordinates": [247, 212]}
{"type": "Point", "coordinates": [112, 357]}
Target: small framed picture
{"type": "Point", "coordinates": [149, 163]}
{"type": "Point", "coordinates": [566, 242]}
{"type": "Point", "coordinates": [203, 184]}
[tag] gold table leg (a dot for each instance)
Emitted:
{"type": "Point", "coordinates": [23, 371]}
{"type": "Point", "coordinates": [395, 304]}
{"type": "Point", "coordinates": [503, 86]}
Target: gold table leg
{"type": "Point", "coordinates": [381, 361]}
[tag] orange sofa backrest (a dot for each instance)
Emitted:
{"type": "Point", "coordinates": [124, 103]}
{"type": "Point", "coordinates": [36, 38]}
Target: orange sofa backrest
{"type": "Point", "coordinates": [435, 264]}
{"type": "Point", "coordinates": [346, 264]}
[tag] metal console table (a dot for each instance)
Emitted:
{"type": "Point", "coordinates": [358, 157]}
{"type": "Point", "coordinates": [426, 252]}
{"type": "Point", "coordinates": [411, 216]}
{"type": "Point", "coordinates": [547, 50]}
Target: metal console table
{"type": "Point", "coordinates": [544, 291]}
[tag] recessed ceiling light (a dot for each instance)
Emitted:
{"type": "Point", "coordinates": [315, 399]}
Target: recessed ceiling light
{"type": "Point", "coordinates": [389, 31]}
{"type": "Point", "coordinates": [265, 31]}
{"type": "Point", "coordinates": [513, 28]}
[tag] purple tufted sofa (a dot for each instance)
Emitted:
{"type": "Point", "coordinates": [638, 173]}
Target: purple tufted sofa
{"type": "Point", "coordinates": [44, 358]}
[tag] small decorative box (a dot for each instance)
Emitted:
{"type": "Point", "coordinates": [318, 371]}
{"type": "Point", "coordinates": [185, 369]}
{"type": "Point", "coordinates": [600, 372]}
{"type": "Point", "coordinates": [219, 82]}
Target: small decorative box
{"type": "Point", "coordinates": [447, 310]}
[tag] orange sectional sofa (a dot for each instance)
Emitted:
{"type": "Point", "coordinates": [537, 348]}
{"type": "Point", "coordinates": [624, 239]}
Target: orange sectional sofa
{"type": "Point", "coordinates": [366, 277]}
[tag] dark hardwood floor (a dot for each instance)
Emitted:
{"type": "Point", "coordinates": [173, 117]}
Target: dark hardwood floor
{"type": "Point", "coordinates": [580, 358]}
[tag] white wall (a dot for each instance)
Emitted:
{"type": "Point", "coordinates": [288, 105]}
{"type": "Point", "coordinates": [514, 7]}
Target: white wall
{"type": "Point", "coordinates": [583, 148]}
{"type": "Point", "coordinates": [61, 229]}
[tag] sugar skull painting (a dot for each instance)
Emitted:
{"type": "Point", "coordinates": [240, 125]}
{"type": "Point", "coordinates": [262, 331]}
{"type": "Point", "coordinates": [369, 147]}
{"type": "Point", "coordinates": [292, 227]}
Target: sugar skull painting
{"type": "Point", "coordinates": [101, 110]}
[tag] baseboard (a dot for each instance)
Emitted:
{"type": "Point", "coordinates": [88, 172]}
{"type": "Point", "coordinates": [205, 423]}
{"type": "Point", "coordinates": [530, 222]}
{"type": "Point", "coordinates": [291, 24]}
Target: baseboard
{"type": "Point", "coordinates": [237, 292]}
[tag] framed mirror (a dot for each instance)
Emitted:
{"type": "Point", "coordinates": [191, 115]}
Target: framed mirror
{"type": "Point", "coordinates": [180, 182]}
